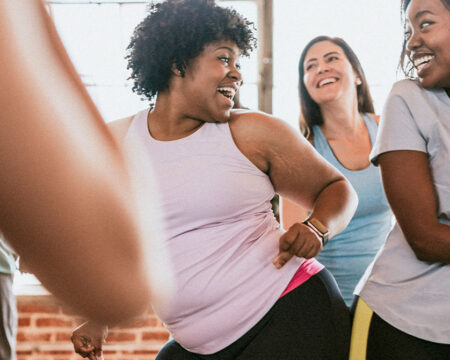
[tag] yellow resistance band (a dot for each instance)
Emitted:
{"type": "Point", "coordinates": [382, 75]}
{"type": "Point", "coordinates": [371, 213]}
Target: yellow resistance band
{"type": "Point", "coordinates": [360, 331]}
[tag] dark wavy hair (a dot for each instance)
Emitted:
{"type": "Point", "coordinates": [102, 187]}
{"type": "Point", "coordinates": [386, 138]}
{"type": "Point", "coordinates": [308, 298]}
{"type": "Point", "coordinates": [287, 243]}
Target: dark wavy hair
{"type": "Point", "coordinates": [405, 63]}
{"type": "Point", "coordinates": [310, 110]}
{"type": "Point", "coordinates": [175, 32]}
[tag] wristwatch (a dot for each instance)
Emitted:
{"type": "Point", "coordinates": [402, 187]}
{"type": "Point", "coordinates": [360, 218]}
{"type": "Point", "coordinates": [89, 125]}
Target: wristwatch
{"type": "Point", "coordinates": [319, 228]}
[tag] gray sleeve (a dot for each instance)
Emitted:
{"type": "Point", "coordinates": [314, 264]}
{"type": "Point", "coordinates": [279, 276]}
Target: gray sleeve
{"type": "Point", "coordinates": [398, 129]}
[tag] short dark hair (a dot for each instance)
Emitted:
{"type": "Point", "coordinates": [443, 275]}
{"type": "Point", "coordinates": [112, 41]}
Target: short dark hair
{"type": "Point", "coordinates": [175, 32]}
{"type": "Point", "coordinates": [310, 110]}
{"type": "Point", "coordinates": [405, 64]}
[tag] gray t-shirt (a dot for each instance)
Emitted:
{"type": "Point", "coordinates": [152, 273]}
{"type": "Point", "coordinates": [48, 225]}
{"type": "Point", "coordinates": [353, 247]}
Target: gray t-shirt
{"type": "Point", "coordinates": [409, 294]}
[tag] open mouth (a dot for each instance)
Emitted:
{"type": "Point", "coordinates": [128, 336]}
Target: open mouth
{"type": "Point", "coordinates": [326, 82]}
{"type": "Point", "coordinates": [421, 62]}
{"type": "Point", "coordinates": [228, 92]}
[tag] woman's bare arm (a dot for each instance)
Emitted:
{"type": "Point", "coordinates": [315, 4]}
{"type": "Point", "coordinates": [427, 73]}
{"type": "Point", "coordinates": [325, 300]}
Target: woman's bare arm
{"type": "Point", "coordinates": [298, 173]}
{"type": "Point", "coordinates": [291, 213]}
{"type": "Point", "coordinates": [66, 201]}
{"type": "Point", "coordinates": [409, 189]}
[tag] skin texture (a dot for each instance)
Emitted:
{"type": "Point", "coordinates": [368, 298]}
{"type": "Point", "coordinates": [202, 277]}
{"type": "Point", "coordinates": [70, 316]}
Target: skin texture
{"type": "Point", "coordinates": [294, 167]}
{"type": "Point", "coordinates": [153, 52]}
{"type": "Point", "coordinates": [65, 189]}
{"type": "Point", "coordinates": [343, 126]}
{"type": "Point", "coordinates": [415, 210]}
{"type": "Point", "coordinates": [88, 339]}
{"type": "Point", "coordinates": [404, 172]}
{"type": "Point", "coordinates": [290, 161]}
{"type": "Point", "coordinates": [326, 60]}
{"type": "Point", "coordinates": [428, 33]}
{"type": "Point", "coordinates": [185, 112]}
{"type": "Point", "coordinates": [178, 114]}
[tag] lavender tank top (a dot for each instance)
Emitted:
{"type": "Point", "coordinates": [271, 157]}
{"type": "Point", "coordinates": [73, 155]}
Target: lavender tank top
{"type": "Point", "coordinates": [221, 235]}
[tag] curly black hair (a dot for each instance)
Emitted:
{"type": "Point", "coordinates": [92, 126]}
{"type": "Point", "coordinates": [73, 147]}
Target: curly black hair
{"type": "Point", "coordinates": [175, 32]}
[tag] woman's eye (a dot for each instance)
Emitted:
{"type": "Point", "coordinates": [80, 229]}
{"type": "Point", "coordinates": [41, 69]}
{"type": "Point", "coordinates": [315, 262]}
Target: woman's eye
{"type": "Point", "coordinates": [425, 24]}
{"type": "Point", "coordinates": [238, 66]}
{"type": "Point", "coordinates": [310, 66]}
{"type": "Point", "coordinates": [225, 59]}
{"type": "Point", "coordinates": [333, 58]}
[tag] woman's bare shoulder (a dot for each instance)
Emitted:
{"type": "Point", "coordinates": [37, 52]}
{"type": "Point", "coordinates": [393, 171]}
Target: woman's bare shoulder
{"type": "Point", "coordinates": [261, 128]}
{"type": "Point", "coordinates": [255, 120]}
{"type": "Point", "coordinates": [120, 127]}
{"type": "Point", "coordinates": [255, 133]}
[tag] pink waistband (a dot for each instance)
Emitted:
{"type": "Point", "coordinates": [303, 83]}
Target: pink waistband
{"type": "Point", "coordinates": [307, 269]}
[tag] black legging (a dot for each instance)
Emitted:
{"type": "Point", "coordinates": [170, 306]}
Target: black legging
{"type": "Point", "coordinates": [388, 343]}
{"type": "Point", "coordinates": [310, 322]}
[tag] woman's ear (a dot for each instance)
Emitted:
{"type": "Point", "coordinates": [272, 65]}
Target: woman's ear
{"type": "Point", "coordinates": [358, 81]}
{"type": "Point", "coordinates": [175, 71]}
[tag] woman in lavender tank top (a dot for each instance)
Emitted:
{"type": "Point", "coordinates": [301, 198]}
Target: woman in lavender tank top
{"type": "Point", "coordinates": [245, 288]}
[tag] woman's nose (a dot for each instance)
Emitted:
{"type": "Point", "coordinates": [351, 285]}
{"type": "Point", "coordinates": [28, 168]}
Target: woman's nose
{"type": "Point", "coordinates": [236, 75]}
{"type": "Point", "coordinates": [414, 41]}
{"type": "Point", "coordinates": [322, 67]}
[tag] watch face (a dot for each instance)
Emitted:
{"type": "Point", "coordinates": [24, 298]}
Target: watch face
{"type": "Point", "coordinates": [319, 226]}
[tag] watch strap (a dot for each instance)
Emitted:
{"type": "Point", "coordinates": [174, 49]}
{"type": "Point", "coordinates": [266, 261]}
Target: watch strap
{"type": "Point", "coordinates": [320, 229]}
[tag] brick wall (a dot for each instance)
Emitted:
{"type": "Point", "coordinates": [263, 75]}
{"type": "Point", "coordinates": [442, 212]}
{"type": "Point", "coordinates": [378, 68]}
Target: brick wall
{"type": "Point", "coordinates": [45, 329]}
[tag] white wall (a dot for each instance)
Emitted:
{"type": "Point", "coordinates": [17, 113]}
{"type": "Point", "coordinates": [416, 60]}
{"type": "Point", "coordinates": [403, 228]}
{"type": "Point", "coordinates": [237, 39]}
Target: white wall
{"type": "Point", "coordinates": [371, 28]}
{"type": "Point", "coordinates": [96, 37]}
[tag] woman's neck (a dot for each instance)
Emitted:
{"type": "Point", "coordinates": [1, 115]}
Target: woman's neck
{"type": "Point", "coordinates": [340, 120]}
{"type": "Point", "coordinates": [167, 121]}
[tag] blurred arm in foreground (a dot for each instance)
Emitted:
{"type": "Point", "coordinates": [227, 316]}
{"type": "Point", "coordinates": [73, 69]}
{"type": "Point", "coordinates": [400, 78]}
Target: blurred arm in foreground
{"type": "Point", "coordinates": [67, 200]}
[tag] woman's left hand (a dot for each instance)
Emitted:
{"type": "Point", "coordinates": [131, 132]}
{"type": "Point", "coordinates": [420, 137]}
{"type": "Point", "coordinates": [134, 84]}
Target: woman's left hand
{"type": "Point", "coordinates": [299, 240]}
{"type": "Point", "coordinates": [88, 340]}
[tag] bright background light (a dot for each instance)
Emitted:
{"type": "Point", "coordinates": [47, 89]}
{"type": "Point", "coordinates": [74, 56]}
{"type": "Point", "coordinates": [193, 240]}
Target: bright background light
{"type": "Point", "coordinates": [96, 36]}
{"type": "Point", "coordinates": [371, 28]}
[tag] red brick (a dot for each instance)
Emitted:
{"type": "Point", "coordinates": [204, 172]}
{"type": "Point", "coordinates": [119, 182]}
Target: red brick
{"type": "Point", "coordinates": [110, 352]}
{"type": "Point", "coordinates": [63, 336]}
{"type": "Point", "coordinates": [35, 308]}
{"type": "Point", "coordinates": [23, 352]}
{"type": "Point", "coordinates": [29, 336]}
{"type": "Point", "coordinates": [56, 352]}
{"type": "Point", "coordinates": [155, 335]}
{"type": "Point", "coordinates": [120, 336]}
{"type": "Point", "coordinates": [24, 321]}
{"type": "Point", "coordinates": [47, 323]}
{"type": "Point", "coordinates": [53, 322]}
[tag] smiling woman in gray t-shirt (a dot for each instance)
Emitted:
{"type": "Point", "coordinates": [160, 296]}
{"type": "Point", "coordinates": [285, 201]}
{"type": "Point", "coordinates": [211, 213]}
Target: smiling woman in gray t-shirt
{"type": "Point", "coordinates": [404, 304]}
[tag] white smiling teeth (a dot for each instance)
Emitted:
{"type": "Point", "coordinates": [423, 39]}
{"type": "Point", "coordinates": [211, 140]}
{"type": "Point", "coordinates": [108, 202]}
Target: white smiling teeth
{"type": "Point", "coordinates": [229, 92]}
{"type": "Point", "coordinates": [327, 81]}
{"type": "Point", "coordinates": [421, 61]}
{"type": "Point", "coordinates": [420, 66]}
